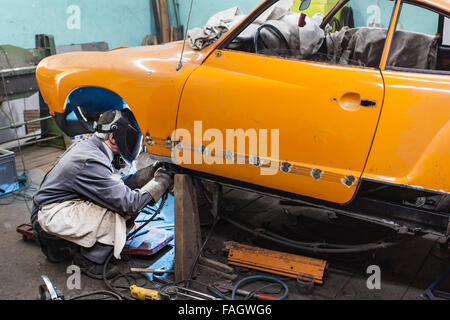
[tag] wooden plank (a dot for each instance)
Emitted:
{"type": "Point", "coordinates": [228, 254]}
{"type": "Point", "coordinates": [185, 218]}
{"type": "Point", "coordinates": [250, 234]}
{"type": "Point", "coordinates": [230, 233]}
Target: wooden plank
{"type": "Point", "coordinates": [32, 115]}
{"type": "Point", "coordinates": [165, 23]}
{"type": "Point", "coordinates": [157, 17]}
{"type": "Point", "coordinates": [187, 226]}
{"type": "Point", "coordinates": [172, 33]}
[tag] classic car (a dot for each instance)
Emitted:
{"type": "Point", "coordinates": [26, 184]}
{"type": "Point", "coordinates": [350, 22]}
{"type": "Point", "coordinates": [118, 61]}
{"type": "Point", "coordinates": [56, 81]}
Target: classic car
{"type": "Point", "coordinates": [360, 123]}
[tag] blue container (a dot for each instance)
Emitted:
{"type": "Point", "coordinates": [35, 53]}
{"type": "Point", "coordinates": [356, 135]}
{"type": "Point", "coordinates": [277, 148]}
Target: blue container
{"type": "Point", "coordinates": [8, 173]}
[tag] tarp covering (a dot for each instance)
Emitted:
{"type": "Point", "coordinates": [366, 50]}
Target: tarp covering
{"type": "Point", "coordinates": [364, 46]}
{"type": "Point", "coordinates": [302, 41]}
{"type": "Point", "coordinates": [216, 26]}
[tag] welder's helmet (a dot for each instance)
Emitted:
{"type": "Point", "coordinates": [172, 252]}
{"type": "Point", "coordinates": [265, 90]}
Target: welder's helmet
{"type": "Point", "coordinates": [125, 131]}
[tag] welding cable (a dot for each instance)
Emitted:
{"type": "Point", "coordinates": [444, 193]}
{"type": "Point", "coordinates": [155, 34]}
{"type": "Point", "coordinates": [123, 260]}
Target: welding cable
{"type": "Point", "coordinates": [194, 264]}
{"type": "Point", "coordinates": [314, 248]}
{"type": "Point", "coordinates": [161, 206]}
{"type": "Point", "coordinates": [251, 279]}
{"type": "Point", "coordinates": [94, 293]}
{"type": "Point", "coordinates": [108, 283]}
{"type": "Point", "coordinates": [266, 278]}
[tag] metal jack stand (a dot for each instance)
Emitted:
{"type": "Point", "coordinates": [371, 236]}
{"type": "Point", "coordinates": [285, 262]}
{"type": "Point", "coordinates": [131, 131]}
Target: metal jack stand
{"type": "Point", "coordinates": [432, 294]}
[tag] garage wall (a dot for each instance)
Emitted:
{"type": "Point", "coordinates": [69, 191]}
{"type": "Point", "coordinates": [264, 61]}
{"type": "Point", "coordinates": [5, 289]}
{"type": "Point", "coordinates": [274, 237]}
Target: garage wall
{"type": "Point", "coordinates": [118, 22]}
{"type": "Point", "coordinates": [202, 10]}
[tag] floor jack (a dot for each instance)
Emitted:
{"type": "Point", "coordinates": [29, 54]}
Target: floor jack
{"type": "Point", "coordinates": [26, 230]}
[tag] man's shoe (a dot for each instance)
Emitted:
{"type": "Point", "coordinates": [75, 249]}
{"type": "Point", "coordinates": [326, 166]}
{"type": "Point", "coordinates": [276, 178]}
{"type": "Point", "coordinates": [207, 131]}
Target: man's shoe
{"type": "Point", "coordinates": [55, 249]}
{"type": "Point", "coordinates": [94, 270]}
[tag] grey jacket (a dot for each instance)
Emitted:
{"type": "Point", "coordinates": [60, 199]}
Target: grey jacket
{"type": "Point", "coordinates": [86, 172]}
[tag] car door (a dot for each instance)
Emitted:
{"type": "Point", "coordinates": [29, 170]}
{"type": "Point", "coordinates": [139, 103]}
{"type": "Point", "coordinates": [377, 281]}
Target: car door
{"type": "Point", "coordinates": [319, 119]}
{"type": "Point", "coordinates": [412, 145]}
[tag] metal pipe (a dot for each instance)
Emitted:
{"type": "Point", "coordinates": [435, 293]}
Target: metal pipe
{"type": "Point", "coordinates": [18, 125]}
{"type": "Point", "coordinates": [315, 249]}
{"type": "Point", "coordinates": [17, 69]}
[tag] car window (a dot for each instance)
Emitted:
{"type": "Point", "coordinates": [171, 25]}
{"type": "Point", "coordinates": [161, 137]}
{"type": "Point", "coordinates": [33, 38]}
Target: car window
{"type": "Point", "coordinates": [446, 32]}
{"type": "Point", "coordinates": [355, 34]}
{"type": "Point", "coordinates": [420, 46]}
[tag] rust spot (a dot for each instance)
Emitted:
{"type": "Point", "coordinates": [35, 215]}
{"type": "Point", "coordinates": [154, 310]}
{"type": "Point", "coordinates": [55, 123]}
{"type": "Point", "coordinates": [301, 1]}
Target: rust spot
{"type": "Point", "coordinates": [316, 174]}
{"type": "Point", "coordinates": [348, 180]}
{"type": "Point", "coordinates": [286, 167]}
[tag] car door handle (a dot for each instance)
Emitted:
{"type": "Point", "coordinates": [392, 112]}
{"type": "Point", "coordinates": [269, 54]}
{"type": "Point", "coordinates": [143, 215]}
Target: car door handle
{"type": "Point", "coordinates": [368, 103]}
{"type": "Point", "coordinates": [352, 101]}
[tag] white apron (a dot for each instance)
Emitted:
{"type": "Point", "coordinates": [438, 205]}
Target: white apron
{"type": "Point", "coordinates": [84, 223]}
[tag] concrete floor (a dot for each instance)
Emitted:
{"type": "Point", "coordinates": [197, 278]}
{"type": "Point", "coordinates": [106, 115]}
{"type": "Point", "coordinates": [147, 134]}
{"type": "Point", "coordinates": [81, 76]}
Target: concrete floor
{"type": "Point", "coordinates": [406, 269]}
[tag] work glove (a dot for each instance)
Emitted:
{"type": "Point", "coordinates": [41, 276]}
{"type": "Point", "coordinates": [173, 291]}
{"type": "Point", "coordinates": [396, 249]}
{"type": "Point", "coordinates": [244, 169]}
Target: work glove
{"type": "Point", "coordinates": [162, 181]}
{"type": "Point", "coordinates": [143, 176]}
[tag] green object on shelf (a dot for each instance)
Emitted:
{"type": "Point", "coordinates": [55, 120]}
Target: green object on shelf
{"type": "Point", "coordinates": [316, 6]}
{"type": "Point", "coordinates": [45, 46]}
{"type": "Point", "coordinates": [17, 68]}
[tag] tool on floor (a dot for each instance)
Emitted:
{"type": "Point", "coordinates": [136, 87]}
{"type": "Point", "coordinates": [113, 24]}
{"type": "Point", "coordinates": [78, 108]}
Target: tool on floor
{"type": "Point", "coordinates": [144, 293]}
{"type": "Point", "coordinates": [226, 286]}
{"type": "Point", "coordinates": [431, 292]}
{"type": "Point", "coordinates": [243, 281]}
{"type": "Point", "coordinates": [174, 292]}
{"type": "Point", "coordinates": [276, 262]}
{"type": "Point", "coordinates": [48, 291]}
{"type": "Point", "coordinates": [143, 270]}
{"type": "Point", "coordinates": [169, 292]}
{"type": "Point", "coordinates": [215, 267]}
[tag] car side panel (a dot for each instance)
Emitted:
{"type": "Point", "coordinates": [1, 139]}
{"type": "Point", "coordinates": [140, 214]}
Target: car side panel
{"type": "Point", "coordinates": [412, 143]}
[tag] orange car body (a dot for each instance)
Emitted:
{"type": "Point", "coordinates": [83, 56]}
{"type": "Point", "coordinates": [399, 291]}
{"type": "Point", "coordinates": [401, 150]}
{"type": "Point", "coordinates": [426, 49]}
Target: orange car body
{"type": "Point", "coordinates": [404, 139]}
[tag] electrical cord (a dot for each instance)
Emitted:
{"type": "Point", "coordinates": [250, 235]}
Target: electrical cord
{"type": "Point", "coordinates": [163, 201]}
{"type": "Point", "coordinates": [110, 284]}
{"type": "Point", "coordinates": [94, 293]}
{"type": "Point", "coordinates": [251, 279]}
{"type": "Point", "coordinates": [194, 264]}
{"type": "Point", "coordinates": [15, 127]}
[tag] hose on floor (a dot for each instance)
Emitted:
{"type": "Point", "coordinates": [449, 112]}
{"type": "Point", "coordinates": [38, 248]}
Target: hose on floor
{"type": "Point", "coordinates": [252, 279]}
